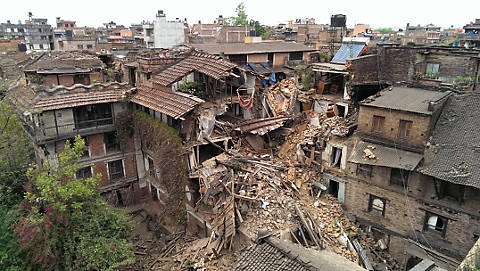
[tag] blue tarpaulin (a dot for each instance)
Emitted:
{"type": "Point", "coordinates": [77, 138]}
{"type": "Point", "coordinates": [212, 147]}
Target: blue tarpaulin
{"type": "Point", "coordinates": [348, 50]}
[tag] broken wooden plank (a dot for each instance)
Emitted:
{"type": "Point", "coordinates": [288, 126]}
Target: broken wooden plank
{"type": "Point", "coordinates": [363, 255]}
{"type": "Point", "coordinates": [307, 226]}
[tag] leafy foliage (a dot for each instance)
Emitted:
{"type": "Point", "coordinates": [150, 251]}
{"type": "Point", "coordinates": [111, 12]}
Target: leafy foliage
{"type": "Point", "coordinates": [463, 80]}
{"type": "Point", "coordinates": [166, 146]}
{"type": "Point", "coordinates": [16, 153]}
{"type": "Point", "coordinates": [241, 18]}
{"type": "Point", "coordinates": [65, 225]}
{"type": "Point", "coordinates": [385, 30]}
{"type": "Point", "coordinates": [11, 258]}
{"type": "Point", "coordinates": [305, 76]}
{"type": "Point", "coordinates": [260, 30]}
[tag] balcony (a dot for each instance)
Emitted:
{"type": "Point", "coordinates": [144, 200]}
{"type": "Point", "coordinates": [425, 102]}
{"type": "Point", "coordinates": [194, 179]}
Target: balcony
{"type": "Point", "coordinates": [45, 134]}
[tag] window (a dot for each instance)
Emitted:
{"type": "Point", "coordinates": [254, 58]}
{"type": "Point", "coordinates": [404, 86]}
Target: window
{"type": "Point", "coordinates": [435, 223]}
{"type": "Point", "coordinates": [151, 167]}
{"type": "Point", "coordinates": [450, 191]}
{"type": "Point", "coordinates": [432, 68]}
{"type": "Point", "coordinates": [238, 59]}
{"type": "Point", "coordinates": [404, 129]}
{"type": "Point", "coordinates": [398, 177]}
{"type": "Point", "coordinates": [111, 142]}
{"type": "Point", "coordinates": [66, 25]}
{"type": "Point", "coordinates": [336, 157]}
{"type": "Point", "coordinates": [295, 56]}
{"type": "Point", "coordinates": [364, 170]}
{"type": "Point", "coordinates": [115, 170]}
{"type": "Point", "coordinates": [376, 205]}
{"type": "Point", "coordinates": [89, 46]}
{"type": "Point", "coordinates": [41, 46]}
{"type": "Point", "coordinates": [80, 46]}
{"type": "Point", "coordinates": [84, 173]}
{"type": "Point", "coordinates": [377, 124]}
{"type": "Point", "coordinates": [83, 79]}
{"type": "Point", "coordinates": [270, 59]}
{"type": "Point", "coordinates": [90, 116]}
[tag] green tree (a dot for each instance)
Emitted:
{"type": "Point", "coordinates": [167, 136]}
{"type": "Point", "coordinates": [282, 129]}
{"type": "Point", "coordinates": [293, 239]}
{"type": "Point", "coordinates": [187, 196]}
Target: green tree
{"type": "Point", "coordinates": [65, 225]}
{"type": "Point", "coordinates": [11, 258]}
{"type": "Point", "coordinates": [241, 18]}
{"type": "Point", "coordinates": [16, 154]}
{"type": "Point", "coordinates": [260, 30]}
{"type": "Point", "coordinates": [385, 30]}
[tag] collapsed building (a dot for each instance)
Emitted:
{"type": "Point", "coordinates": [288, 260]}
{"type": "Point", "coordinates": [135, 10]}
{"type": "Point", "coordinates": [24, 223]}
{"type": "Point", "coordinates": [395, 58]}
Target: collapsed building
{"type": "Point", "coordinates": [357, 164]}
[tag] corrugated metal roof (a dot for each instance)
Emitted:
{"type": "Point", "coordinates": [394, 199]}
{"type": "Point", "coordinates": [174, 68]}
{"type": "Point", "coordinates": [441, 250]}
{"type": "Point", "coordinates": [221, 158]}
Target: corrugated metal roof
{"type": "Point", "coordinates": [173, 104]}
{"type": "Point", "coordinates": [385, 156]}
{"type": "Point", "coordinates": [348, 50]}
{"type": "Point", "coordinates": [406, 99]}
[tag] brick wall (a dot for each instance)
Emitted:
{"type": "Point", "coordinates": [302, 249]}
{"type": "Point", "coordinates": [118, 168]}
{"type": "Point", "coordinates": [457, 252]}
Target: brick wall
{"type": "Point", "coordinates": [279, 59]}
{"type": "Point", "coordinates": [420, 127]}
{"type": "Point", "coordinates": [66, 79]}
{"type": "Point", "coordinates": [363, 69]}
{"type": "Point", "coordinates": [405, 217]}
{"type": "Point", "coordinates": [257, 58]}
{"type": "Point", "coordinates": [50, 80]}
{"type": "Point", "coordinates": [396, 64]}
{"type": "Point", "coordinates": [96, 146]}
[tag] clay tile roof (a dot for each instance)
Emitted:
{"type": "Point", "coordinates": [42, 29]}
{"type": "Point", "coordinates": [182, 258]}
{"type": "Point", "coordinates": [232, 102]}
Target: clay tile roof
{"type": "Point", "coordinates": [173, 104]}
{"type": "Point", "coordinates": [210, 65]}
{"type": "Point", "coordinates": [55, 62]}
{"type": "Point", "coordinates": [454, 148]}
{"type": "Point", "coordinates": [78, 95]}
{"type": "Point", "coordinates": [282, 255]}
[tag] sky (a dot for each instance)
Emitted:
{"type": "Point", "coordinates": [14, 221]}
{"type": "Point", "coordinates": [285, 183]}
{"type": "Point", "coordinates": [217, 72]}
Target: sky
{"type": "Point", "coordinates": [376, 13]}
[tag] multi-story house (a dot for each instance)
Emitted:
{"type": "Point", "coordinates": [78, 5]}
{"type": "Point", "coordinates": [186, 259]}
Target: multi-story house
{"type": "Point", "coordinates": [36, 32]}
{"type": "Point", "coordinates": [411, 202]}
{"type": "Point", "coordinates": [65, 101]}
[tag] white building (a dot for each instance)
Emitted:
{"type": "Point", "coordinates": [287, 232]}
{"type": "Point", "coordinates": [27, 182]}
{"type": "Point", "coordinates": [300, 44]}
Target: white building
{"type": "Point", "coordinates": [167, 33]}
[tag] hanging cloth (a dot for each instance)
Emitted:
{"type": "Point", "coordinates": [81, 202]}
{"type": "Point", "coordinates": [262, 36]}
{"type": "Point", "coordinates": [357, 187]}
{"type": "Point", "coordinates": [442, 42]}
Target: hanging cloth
{"type": "Point", "coordinates": [246, 103]}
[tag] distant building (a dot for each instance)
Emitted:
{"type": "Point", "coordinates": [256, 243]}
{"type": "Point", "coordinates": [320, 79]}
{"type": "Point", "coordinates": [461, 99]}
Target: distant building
{"type": "Point", "coordinates": [36, 32]}
{"type": "Point", "coordinates": [168, 33]}
{"type": "Point", "coordinates": [429, 34]}
{"type": "Point", "coordinates": [471, 37]}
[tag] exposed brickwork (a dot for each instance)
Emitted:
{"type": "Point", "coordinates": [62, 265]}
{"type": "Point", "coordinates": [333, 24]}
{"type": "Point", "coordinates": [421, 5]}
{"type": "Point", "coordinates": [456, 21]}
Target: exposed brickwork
{"type": "Point", "coordinates": [405, 216]}
{"type": "Point", "coordinates": [363, 69]}
{"type": "Point", "coordinates": [101, 168]}
{"type": "Point", "coordinates": [420, 126]}
{"type": "Point", "coordinates": [95, 143]}
{"type": "Point", "coordinates": [130, 166]}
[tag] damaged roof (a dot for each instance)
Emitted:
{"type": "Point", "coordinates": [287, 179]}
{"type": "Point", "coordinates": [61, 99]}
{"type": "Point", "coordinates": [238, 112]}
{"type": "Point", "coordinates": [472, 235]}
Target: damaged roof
{"type": "Point", "coordinates": [261, 126]}
{"type": "Point", "coordinates": [415, 100]}
{"type": "Point", "coordinates": [253, 48]}
{"type": "Point", "coordinates": [281, 255]}
{"type": "Point", "coordinates": [384, 156]}
{"type": "Point", "coordinates": [174, 104]}
{"type": "Point", "coordinates": [39, 99]}
{"type": "Point", "coordinates": [64, 62]}
{"type": "Point", "coordinates": [78, 95]}
{"type": "Point", "coordinates": [454, 149]}
{"type": "Point", "coordinates": [211, 65]}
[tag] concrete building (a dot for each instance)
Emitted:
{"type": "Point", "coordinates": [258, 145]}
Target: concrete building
{"type": "Point", "coordinates": [471, 37]}
{"type": "Point", "coordinates": [168, 33]}
{"type": "Point", "coordinates": [277, 53]}
{"type": "Point", "coordinates": [36, 32]}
